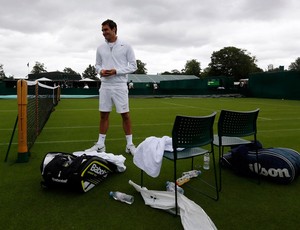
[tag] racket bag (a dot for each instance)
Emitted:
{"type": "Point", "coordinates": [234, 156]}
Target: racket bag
{"type": "Point", "coordinates": [280, 165]}
{"type": "Point", "coordinates": [79, 173]}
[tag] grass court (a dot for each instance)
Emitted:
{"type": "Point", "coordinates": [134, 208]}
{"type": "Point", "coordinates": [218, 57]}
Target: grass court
{"type": "Point", "coordinates": [73, 126]}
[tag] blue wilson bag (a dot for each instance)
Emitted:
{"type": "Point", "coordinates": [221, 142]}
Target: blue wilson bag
{"type": "Point", "coordinates": [280, 165]}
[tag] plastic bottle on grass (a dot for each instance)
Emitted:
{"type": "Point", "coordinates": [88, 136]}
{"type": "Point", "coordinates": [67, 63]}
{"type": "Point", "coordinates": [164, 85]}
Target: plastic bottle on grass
{"type": "Point", "coordinates": [182, 180]}
{"type": "Point", "coordinates": [206, 161]}
{"type": "Point", "coordinates": [170, 186]}
{"type": "Point", "coordinates": [123, 197]}
{"type": "Point", "coordinates": [192, 173]}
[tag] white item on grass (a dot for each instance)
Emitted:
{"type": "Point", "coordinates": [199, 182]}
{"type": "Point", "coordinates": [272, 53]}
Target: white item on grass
{"type": "Point", "coordinates": [193, 217]}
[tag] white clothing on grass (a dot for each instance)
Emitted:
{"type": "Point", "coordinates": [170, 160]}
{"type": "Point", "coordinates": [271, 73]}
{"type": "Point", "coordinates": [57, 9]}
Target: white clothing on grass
{"type": "Point", "coordinates": [117, 160]}
{"type": "Point", "coordinates": [193, 217]}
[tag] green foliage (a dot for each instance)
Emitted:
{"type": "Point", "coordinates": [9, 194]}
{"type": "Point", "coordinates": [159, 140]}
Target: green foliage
{"type": "Point", "coordinates": [295, 65]}
{"type": "Point", "coordinates": [2, 73]}
{"type": "Point", "coordinates": [192, 67]}
{"type": "Point", "coordinates": [70, 71]}
{"type": "Point", "coordinates": [232, 62]}
{"type": "Point", "coordinates": [90, 72]}
{"type": "Point", "coordinates": [173, 72]}
{"type": "Point", "coordinates": [141, 67]}
{"type": "Point", "coordinates": [38, 68]}
{"type": "Point", "coordinates": [205, 72]}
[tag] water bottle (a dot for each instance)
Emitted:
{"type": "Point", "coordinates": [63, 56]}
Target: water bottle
{"type": "Point", "coordinates": [182, 180]}
{"type": "Point", "coordinates": [170, 186]}
{"type": "Point", "coordinates": [206, 161]}
{"type": "Point", "coordinates": [123, 197]}
{"type": "Point", "coordinates": [192, 173]}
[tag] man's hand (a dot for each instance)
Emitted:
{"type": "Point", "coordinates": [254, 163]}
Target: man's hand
{"type": "Point", "coordinates": [108, 72]}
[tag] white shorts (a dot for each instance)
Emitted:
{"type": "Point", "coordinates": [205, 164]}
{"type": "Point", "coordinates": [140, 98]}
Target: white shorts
{"type": "Point", "coordinates": [110, 96]}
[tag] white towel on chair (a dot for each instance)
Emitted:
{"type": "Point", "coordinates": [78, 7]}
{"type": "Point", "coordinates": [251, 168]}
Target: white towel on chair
{"type": "Point", "coordinates": [149, 154]}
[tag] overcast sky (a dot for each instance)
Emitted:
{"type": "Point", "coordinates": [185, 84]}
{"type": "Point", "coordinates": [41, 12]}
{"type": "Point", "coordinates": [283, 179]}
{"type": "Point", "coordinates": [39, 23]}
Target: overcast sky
{"type": "Point", "coordinates": [164, 33]}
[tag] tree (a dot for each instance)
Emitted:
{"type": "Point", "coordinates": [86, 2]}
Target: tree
{"type": "Point", "coordinates": [173, 72]}
{"type": "Point", "coordinates": [232, 62]}
{"type": "Point", "coordinates": [141, 67]}
{"type": "Point", "coordinates": [70, 71]}
{"type": "Point", "coordinates": [38, 68]}
{"type": "Point", "coordinates": [2, 74]}
{"type": "Point", "coordinates": [205, 72]}
{"type": "Point", "coordinates": [90, 72]}
{"type": "Point", "coordinates": [295, 65]}
{"type": "Point", "coordinates": [166, 73]}
{"type": "Point", "coordinates": [192, 67]}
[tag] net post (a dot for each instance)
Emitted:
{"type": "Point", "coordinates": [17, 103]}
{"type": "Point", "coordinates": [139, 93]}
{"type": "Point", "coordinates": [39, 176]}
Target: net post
{"type": "Point", "coordinates": [58, 94]}
{"type": "Point", "coordinates": [23, 154]}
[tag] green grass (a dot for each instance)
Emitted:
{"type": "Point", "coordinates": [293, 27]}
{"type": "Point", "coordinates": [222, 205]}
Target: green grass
{"type": "Point", "coordinates": [73, 126]}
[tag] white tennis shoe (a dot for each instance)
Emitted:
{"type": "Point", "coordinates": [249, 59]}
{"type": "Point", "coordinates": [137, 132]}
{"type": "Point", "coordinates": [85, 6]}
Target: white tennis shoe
{"type": "Point", "coordinates": [130, 149]}
{"type": "Point", "coordinates": [97, 147]}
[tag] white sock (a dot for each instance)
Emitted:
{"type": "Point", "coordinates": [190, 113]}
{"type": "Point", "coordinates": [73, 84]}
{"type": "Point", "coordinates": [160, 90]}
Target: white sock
{"type": "Point", "coordinates": [129, 139]}
{"type": "Point", "coordinates": [101, 139]}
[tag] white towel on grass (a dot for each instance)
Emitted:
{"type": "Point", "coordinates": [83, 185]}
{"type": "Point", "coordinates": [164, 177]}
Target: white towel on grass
{"type": "Point", "coordinates": [193, 217]}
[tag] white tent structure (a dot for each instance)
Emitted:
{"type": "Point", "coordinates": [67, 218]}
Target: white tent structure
{"type": "Point", "coordinates": [86, 79]}
{"type": "Point", "coordinates": [43, 79]}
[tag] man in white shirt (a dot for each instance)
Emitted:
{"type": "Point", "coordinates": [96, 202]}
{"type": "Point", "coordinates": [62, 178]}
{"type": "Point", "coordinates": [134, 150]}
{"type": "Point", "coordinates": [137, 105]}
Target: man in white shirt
{"type": "Point", "coordinates": [130, 85]}
{"type": "Point", "coordinates": [114, 60]}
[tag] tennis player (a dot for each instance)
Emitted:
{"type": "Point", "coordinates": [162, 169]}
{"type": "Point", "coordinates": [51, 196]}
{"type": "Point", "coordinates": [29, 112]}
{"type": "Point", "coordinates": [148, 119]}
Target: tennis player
{"type": "Point", "coordinates": [114, 60]}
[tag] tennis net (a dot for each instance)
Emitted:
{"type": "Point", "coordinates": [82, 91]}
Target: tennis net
{"type": "Point", "coordinates": [36, 101]}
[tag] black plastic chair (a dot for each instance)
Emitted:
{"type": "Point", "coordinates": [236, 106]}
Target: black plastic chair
{"type": "Point", "coordinates": [232, 126]}
{"type": "Point", "coordinates": [191, 133]}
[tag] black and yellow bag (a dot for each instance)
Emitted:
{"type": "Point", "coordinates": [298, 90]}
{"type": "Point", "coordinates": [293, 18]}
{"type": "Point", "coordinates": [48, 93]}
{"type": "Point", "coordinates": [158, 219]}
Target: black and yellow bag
{"type": "Point", "coordinates": [81, 173]}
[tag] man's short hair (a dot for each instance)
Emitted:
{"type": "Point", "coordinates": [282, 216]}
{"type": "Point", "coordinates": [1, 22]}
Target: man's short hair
{"type": "Point", "coordinates": [110, 23]}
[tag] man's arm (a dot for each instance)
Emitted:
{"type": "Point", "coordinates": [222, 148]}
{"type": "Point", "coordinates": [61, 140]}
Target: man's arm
{"type": "Point", "coordinates": [132, 66]}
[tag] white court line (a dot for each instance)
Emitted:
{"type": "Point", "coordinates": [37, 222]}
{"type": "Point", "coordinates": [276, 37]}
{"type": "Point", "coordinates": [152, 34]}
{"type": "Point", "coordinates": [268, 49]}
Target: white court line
{"type": "Point", "coordinates": [265, 118]}
{"type": "Point", "coordinates": [135, 138]}
{"type": "Point", "coordinates": [188, 106]}
{"type": "Point", "coordinates": [279, 119]}
{"type": "Point", "coordinates": [277, 130]}
{"type": "Point", "coordinates": [87, 127]}
{"type": "Point", "coordinates": [131, 108]}
{"type": "Point", "coordinates": [96, 126]}
{"type": "Point", "coordinates": [73, 141]}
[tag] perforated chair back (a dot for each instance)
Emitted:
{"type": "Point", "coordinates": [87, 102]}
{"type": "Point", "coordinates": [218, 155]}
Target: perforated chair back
{"type": "Point", "coordinates": [232, 127]}
{"type": "Point", "coordinates": [237, 124]}
{"type": "Point", "coordinates": [192, 131]}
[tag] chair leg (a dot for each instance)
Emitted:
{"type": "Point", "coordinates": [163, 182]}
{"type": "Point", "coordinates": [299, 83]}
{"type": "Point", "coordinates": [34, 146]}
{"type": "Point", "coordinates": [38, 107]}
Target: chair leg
{"type": "Point", "coordinates": [221, 149]}
{"type": "Point", "coordinates": [175, 178]}
{"type": "Point", "coordinates": [216, 179]}
{"type": "Point", "coordinates": [192, 167]}
{"type": "Point", "coordinates": [257, 161]}
{"type": "Point", "coordinates": [142, 178]}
